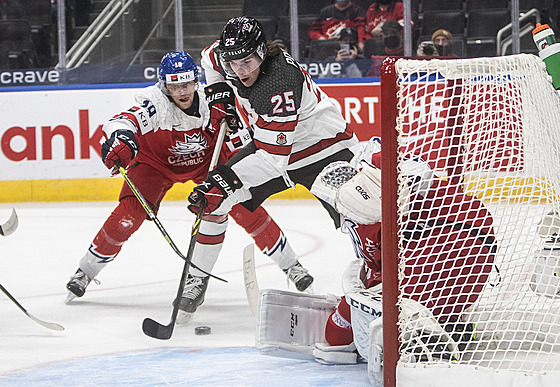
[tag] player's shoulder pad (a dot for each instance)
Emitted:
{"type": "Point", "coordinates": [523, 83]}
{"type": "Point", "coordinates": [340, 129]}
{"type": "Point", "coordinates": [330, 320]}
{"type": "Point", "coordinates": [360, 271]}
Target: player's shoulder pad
{"type": "Point", "coordinates": [281, 82]}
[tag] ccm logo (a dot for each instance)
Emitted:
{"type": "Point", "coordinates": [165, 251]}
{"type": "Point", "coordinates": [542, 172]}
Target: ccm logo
{"type": "Point", "coordinates": [365, 308]}
{"type": "Point", "coordinates": [293, 323]}
{"type": "Point", "coordinates": [362, 192]}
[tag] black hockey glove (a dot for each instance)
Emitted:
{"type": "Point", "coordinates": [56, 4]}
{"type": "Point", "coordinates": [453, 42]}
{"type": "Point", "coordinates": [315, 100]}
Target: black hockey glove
{"type": "Point", "coordinates": [220, 183]}
{"type": "Point", "coordinates": [221, 102]}
{"type": "Point", "coordinates": [121, 147]}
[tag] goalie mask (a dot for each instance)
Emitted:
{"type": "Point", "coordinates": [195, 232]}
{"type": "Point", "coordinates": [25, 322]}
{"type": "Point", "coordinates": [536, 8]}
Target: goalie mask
{"type": "Point", "coordinates": [242, 45]}
{"type": "Point", "coordinates": [176, 71]}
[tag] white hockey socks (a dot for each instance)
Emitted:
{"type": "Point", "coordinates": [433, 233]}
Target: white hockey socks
{"type": "Point", "coordinates": [209, 244]}
{"type": "Point", "coordinates": [91, 263]}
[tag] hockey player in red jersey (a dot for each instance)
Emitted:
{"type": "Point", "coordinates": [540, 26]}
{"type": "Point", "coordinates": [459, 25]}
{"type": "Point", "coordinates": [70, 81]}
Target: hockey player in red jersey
{"type": "Point", "coordinates": [163, 140]}
{"type": "Point", "coordinates": [297, 130]}
{"type": "Point", "coordinates": [449, 248]}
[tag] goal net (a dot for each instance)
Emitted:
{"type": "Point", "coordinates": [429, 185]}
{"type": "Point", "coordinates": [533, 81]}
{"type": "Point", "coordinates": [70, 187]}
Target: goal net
{"type": "Point", "coordinates": [471, 251]}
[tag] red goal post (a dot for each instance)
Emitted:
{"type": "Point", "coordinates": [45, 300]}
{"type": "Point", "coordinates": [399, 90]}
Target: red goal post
{"type": "Point", "coordinates": [471, 261]}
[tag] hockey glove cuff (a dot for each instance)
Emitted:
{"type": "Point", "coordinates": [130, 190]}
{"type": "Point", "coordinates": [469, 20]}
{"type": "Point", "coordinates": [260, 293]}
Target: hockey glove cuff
{"type": "Point", "coordinates": [220, 184]}
{"type": "Point", "coordinates": [221, 102]}
{"type": "Point", "coordinates": [121, 147]}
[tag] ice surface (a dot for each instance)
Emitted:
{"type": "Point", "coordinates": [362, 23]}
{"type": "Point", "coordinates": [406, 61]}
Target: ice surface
{"type": "Point", "coordinates": [103, 343]}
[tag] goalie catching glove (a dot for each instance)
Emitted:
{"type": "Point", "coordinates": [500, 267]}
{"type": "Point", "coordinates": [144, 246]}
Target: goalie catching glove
{"type": "Point", "coordinates": [120, 148]}
{"type": "Point", "coordinates": [221, 102]}
{"type": "Point", "coordinates": [220, 184]}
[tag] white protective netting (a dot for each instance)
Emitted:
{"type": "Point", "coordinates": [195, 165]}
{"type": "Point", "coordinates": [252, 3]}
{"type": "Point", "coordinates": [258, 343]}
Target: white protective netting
{"type": "Point", "coordinates": [471, 250]}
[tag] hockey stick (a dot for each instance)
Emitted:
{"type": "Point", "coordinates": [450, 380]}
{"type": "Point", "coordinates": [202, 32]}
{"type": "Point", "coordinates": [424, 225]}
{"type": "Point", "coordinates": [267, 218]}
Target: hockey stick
{"type": "Point", "coordinates": [250, 278]}
{"type": "Point", "coordinates": [11, 224]}
{"type": "Point", "coordinates": [151, 327]}
{"type": "Point", "coordinates": [156, 221]}
{"type": "Point", "coordinates": [49, 325]}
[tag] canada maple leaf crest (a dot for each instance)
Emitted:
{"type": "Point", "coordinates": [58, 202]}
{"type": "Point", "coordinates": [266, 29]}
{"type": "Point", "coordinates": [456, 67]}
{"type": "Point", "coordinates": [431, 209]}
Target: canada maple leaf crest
{"type": "Point", "coordinates": [192, 144]}
{"type": "Point", "coordinates": [281, 139]}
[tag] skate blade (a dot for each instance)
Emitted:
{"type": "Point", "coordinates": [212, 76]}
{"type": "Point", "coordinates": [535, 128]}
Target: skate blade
{"type": "Point", "coordinates": [309, 290]}
{"type": "Point", "coordinates": [183, 317]}
{"type": "Point", "coordinates": [69, 298]}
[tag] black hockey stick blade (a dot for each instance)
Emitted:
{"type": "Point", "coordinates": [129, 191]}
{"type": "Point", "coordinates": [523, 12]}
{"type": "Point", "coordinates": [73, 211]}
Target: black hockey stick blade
{"type": "Point", "coordinates": [11, 225]}
{"type": "Point", "coordinates": [48, 325]}
{"type": "Point", "coordinates": [156, 330]}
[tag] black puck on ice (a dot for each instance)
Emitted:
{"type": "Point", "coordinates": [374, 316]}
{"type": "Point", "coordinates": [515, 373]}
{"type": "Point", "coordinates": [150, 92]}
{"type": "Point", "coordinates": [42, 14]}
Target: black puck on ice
{"type": "Point", "coordinates": [202, 330]}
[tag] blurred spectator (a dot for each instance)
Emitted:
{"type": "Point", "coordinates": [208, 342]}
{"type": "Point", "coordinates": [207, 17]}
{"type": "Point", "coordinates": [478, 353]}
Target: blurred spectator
{"type": "Point", "coordinates": [442, 40]}
{"type": "Point", "coordinates": [440, 45]}
{"type": "Point", "coordinates": [378, 13]}
{"type": "Point", "coordinates": [392, 33]}
{"type": "Point", "coordinates": [333, 18]}
{"type": "Point", "coordinates": [349, 55]}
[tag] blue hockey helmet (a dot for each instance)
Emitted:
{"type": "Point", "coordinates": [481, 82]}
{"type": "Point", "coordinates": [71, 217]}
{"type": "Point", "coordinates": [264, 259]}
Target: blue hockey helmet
{"type": "Point", "coordinates": [177, 67]}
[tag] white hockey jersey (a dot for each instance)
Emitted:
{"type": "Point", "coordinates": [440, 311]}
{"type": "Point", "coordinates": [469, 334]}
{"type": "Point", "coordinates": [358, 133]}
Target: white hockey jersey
{"type": "Point", "coordinates": [294, 122]}
{"type": "Point", "coordinates": [170, 140]}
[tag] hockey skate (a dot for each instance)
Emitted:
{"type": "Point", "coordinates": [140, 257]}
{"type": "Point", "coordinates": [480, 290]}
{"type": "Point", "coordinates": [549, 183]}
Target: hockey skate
{"type": "Point", "coordinates": [192, 297]}
{"type": "Point", "coordinates": [299, 276]}
{"type": "Point", "coordinates": [77, 285]}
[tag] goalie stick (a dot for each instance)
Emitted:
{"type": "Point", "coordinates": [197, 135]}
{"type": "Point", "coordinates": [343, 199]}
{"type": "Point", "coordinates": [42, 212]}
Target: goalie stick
{"type": "Point", "coordinates": [250, 278]}
{"type": "Point", "coordinates": [151, 327]}
{"type": "Point", "coordinates": [11, 224]}
{"type": "Point", "coordinates": [48, 325]}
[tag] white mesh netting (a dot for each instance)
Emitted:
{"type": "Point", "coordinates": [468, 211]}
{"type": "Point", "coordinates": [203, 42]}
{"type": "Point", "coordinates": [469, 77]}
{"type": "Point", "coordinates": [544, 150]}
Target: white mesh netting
{"type": "Point", "coordinates": [472, 250]}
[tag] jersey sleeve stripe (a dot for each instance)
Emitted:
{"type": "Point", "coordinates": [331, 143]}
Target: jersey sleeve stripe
{"type": "Point", "coordinates": [286, 126]}
{"type": "Point", "coordinates": [281, 150]}
{"type": "Point", "coordinates": [323, 144]}
{"type": "Point", "coordinates": [127, 116]}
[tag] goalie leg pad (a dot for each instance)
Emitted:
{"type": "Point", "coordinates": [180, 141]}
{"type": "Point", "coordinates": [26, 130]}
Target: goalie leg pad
{"type": "Point", "coordinates": [365, 307]}
{"type": "Point", "coordinates": [290, 324]}
{"type": "Point", "coordinates": [546, 276]}
{"type": "Point", "coordinates": [549, 226]}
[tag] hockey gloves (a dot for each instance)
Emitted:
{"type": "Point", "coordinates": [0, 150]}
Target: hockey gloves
{"type": "Point", "coordinates": [220, 183]}
{"type": "Point", "coordinates": [121, 147]}
{"type": "Point", "coordinates": [221, 102]}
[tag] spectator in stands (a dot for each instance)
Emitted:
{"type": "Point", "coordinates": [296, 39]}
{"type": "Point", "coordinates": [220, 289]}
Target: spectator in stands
{"type": "Point", "coordinates": [440, 45]}
{"type": "Point", "coordinates": [334, 18]}
{"type": "Point", "coordinates": [378, 13]}
{"type": "Point", "coordinates": [349, 56]}
{"type": "Point", "coordinates": [392, 34]}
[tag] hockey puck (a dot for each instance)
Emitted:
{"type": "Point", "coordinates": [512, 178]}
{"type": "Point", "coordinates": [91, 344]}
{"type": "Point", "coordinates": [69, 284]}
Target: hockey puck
{"type": "Point", "coordinates": [202, 330]}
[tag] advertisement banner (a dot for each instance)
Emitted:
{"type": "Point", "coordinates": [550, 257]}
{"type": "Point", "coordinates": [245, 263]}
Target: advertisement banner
{"type": "Point", "coordinates": [56, 134]}
{"type": "Point", "coordinates": [50, 139]}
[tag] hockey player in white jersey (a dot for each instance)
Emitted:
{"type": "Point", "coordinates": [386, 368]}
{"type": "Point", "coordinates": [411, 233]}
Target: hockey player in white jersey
{"type": "Point", "coordinates": [297, 129]}
{"type": "Point", "coordinates": [164, 139]}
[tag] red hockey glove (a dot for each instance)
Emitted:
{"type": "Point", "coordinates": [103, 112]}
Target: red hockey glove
{"type": "Point", "coordinates": [220, 183]}
{"type": "Point", "coordinates": [121, 147]}
{"type": "Point", "coordinates": [221, 102]}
